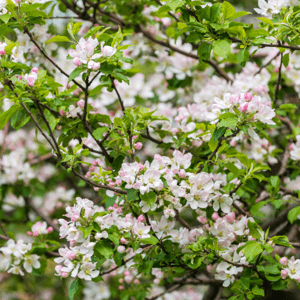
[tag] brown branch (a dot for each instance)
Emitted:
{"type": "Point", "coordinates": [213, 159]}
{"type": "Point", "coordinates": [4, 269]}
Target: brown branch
{"type": "Point", "coordinates": [39, 159]}
{"type": "Point", "coordinates": [3, 229]}
{"type": "Point", "coordinates": [267, 63]}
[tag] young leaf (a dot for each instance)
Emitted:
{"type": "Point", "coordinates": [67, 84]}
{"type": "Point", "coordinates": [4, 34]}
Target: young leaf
{"type": "Point", "coordinates": [73, 288]}
{"type": "Point", "coordinates": [58, 38]}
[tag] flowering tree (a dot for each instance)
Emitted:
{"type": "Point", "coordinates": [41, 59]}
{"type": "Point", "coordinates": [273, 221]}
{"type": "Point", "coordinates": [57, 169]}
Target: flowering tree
{"type": "Point", "coordinates": [149, 149]}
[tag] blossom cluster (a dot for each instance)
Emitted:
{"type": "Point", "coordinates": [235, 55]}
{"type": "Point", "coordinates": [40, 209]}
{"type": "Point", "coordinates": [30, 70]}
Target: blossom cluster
{"type": "Point", "coordinates": [255, 106]}
{"type": "Point", "coordinates": [291, 268]}
{"type": "Point", "coordinates": [39, 228]}
{"type": "Point", "coordinates": [272, 7]}
{"type": "Point", "coordinates": [199, 190]}
{"type": "Point", "coordinates": [85, 53]}
{"type": "Point", "coordinates": [17, 257]}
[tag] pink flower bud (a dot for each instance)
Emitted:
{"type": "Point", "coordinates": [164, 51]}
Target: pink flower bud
{"type": "Point", "coordinates": [210, 269]}
{"type": "Point", "coordinates": [96, 189]}
{"type": "Point", "coordinates": [77, 61]}
{"type": "Point", "coordinates": [49, 229]}
{"type": "Point", "coordinates": [20, 77]}
{"type": "Point", "coordinates": [111, 184]}
{"type": "Point", "coordinates": [62, 113]}
{"type": "Point", "coordinates": [121, 249]}
{"type": "Point", "coordinates": [141, 219]}
{"type": "Point", "coordinates": [123, 241]}
{"type": "Point", "coordinates": [35, 233]}
{"type": "Point", "coordinates": [182, 173]}
{"type": "Point", "coordinates": [29, 233]}
{"type": "Point", "coordinates": [74, 218]}
{"type": "Point", "coordinates": [71, 255]}
{"type": "Point", "coordinates": [141, 167]}
{"type": "Point", "coordinates": [202, 220]}
{"type": "Point", "coordinates": [138, 146]}
{"type": "Point", "coordinates": [115, 205]}
{"type": "Point", "coordinates": [136, 281]}
{"type": "Point", "coordinates": [230, 217]}
{"type": "Point", "coordinates": [243, 107]}
{"type": "Point", "coordinates": [215, 216]}
{"type": "Point", "coordinates": [276, 70]}
{"type": "Point", "coordinates": [121, 280]}
{"type": "Point", "coordinates": [248, 96]}
{"type": "Point", "coordinates": [284, 274]}
{"type": "Point", "coordinates": [156, 281]}
{"type": "Point", "coordinates": [121, 287]}
{"type": "Point", "coordinates": [2, 52]}
{"type": "Point", "coordinates": [34, 70]}
{"type": "Point", "coordinates": [126, 273]}
{"type": "Point", "coordinates": [64, 274]}
{"type": "Point", "coordinates": [108, 168]}
{"type": "Point", "coordinates": [81, 103]}
{"type": "Point", "coordinates": [96, 66]}
{"type": "Point", "coordinates": [283, 261]}
{"type": "Point", "coordinates": [118, 182]}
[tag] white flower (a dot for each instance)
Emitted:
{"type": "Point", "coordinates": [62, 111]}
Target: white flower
{"type": "Point", "coordinates": [31, 261]}
{"type": "Point", "coordinates": [222, 201]}
{"type": "Point", "coordinates": [141, 230]}
{"type": "Point", "coordinates": [88, 271]}
{"type": "Point", "coordinates": [16, 270]}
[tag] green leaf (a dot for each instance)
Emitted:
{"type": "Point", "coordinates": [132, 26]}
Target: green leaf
{"type": "Point", "coordinates": [255, 231]}
{"type": "Point", "coordinates": [257, 291]}
{"type": "Point", "coordinates": [222, 48]}
{"type": "Point", "coordinates": [228, 10]}
{"type": "Point", "coordinates": [266, 20]}
{"type": "Point", "coordinates": [275, 181]}
{"type": "Point", "coordinates": [104, 118]}
{"type": "Point", "coordinates": [118, 38]}
{"type": "Point", "coordinates": [228, 122]}
{"type": "Point", "coordinates": [76, 73]}
{"type": "Point", "coordinates": [51, 119]}
{"type": "Point", "coordinates": [104, 248]}
{"type": "Point", "coordinates": [58, 38]}
{"type": "Point", "coordinates": [5, 18]}
{"type": "Point", "coordinates": [252, 250]}
{"type": "Point", "coordinates": [173, 4]}
{"type": "Point", "coordinates": [149, 198]}
{"type": "Point", "coordinates": [239, 14]}
{"type": "Point", "coordinates": [19, 119]}
{"type": "Point", "coordinates": [286, 59]}
{"type": "Point", "coordinates": [281, 240]}
{"type": "Point", "coordinates": [243, 57]}
{"type": "Point", "coordinates": [132, 195]}
{"type": "Point", "coordinates": [219, 132]}
{"type": "Point", "coordinates": [204, 51]}
{"type": "Point", "coordinates": [5, 116]}
{"type": "Point", "coordinates": [98, 133]}
{"type": "Point", "coordinates": [96, 90]}
{"type": "Point", "coordinates": [151, 240]}
{"type": "Point", "coordinates": [73, 288]}
{"type": "Point", "coordinates": [232, 168]}
{"type": "Point", "coordinates": [293, 214]}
